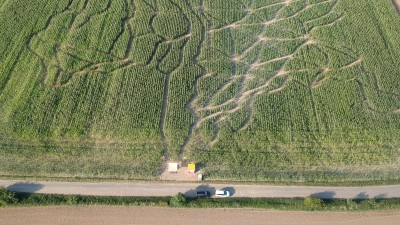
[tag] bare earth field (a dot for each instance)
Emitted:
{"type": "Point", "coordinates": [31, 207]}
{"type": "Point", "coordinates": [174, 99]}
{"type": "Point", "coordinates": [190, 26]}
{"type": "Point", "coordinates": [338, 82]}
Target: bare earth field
{"type": "Point", "coordinates": [146, 215]}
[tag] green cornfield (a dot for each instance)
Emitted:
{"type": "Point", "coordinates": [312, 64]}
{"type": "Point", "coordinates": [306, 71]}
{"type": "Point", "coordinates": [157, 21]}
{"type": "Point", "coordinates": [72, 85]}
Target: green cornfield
{"type": "Point", "coordinates": [253, 90]}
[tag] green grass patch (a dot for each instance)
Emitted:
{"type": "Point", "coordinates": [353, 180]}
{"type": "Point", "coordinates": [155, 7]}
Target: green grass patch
{"type": "Point", "coordinates": [10, 199]}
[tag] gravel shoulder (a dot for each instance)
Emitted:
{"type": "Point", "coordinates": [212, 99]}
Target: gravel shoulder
{"type": "Point", "coordinates": [100, 215]}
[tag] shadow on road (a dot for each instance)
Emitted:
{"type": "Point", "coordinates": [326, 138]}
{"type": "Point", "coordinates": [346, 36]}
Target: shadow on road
{"type": "Point", "coordinates": [230, 189]}
{"type": "Point", "coordinates": [25, 187]}
{"type": "Point", "coordinates": [364, 196]}
{"type": "Point", "coordinates": [326, 195]}
{"type": "Point", "coordinates": [204, 187]}
{"type": "Point", "coordinates": [361, 196]}
{"type": "Point", "coordinates": [379, 197]}
{"type": "Point", "coordinates": [192, 193]}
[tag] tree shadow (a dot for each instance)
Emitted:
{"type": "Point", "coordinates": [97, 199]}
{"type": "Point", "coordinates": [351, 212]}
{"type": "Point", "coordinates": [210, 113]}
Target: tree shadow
{"type": "Point", "coordinates": [24, 190]}
{"type": "Point", "coordinates": [361, 197]}
{"type": "Point", "coordinates": [25, 187]}
{"type": "Point", "coordinates": [199, 166]}
{"type": "Point", "coordinates": [327, 196]}
{"type": "Point", "coordinates": [380, 197]}
{"type": "Point", "coordinates": [192, 193]}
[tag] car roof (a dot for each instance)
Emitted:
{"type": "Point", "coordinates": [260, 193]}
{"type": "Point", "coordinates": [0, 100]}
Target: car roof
{"type": "Point", "coordinates": [220, 192]}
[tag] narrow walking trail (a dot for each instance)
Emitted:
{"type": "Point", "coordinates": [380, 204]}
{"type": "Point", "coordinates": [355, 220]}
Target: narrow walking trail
{"type": "Point", "coordinates": [397, 5]}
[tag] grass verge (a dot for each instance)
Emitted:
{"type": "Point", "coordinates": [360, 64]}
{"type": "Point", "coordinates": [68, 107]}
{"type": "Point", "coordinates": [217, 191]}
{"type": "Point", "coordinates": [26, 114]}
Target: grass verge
{"type": "Point", "coordinates": [209, 181]}
{"type": "Point", "coordinates": [10, 199]}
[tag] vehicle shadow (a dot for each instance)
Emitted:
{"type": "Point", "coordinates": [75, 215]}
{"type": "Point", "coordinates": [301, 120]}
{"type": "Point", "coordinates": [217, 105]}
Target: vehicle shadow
{"type": "Point", "coordinates": [231, 190]}
{"type": "Point", "coordinates": [192, 193]}
{"type": "Point", "coordinates": [25, 187]}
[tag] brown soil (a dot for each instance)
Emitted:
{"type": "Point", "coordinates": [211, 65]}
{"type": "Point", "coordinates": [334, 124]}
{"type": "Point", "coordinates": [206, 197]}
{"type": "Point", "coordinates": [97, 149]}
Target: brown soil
{"type": "Point", "coordinates": [181, 175]}
{"type": "Point", "coordinates": [147, 215]}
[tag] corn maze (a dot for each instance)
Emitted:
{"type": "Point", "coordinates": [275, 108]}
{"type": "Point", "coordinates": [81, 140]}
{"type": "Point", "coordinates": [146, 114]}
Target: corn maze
{"type": "Point", "coordinates": [274, 90]}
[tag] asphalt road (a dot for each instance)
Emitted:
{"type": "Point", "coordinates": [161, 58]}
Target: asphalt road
{"type": "Point", "coordinates": [170, 189]}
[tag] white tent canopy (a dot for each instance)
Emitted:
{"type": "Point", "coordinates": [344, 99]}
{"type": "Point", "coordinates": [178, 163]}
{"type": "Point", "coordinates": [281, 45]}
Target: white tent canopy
{"type": "Point", "coordinates": [173, 167]}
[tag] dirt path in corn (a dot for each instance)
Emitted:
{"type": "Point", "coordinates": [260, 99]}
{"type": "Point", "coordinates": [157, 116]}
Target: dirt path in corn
{"type": "Point", "coordinates": [100, 215]}
{"type": "Point", "coordinates": [397, 5]}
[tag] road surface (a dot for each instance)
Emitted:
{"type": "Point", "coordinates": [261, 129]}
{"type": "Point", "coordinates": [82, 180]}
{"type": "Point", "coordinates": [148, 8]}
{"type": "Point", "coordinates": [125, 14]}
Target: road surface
{"type": "Point", "coordinates": [170, 189]}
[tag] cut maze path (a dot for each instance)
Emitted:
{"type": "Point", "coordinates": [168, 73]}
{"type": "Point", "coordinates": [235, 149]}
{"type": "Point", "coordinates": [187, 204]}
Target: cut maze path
{"type": "Point", "coordinates": [219, 112]}
{"type": "Point", "coordinates": [265, 65]}
{"type": "Point", "coordinates": [244, 94]}
{"type": "Point", "coordinates": [397, 5]}
{"type": "Point", "coordinates": [215, 108]}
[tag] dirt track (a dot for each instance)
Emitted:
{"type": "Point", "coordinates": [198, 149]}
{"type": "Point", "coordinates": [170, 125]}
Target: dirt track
{"type": "Point", "coordinates": [397, 5]}
{"type": "Point", "coordinates": [170, 189]}
{"type": "Point", "coordinates": [100, 215]}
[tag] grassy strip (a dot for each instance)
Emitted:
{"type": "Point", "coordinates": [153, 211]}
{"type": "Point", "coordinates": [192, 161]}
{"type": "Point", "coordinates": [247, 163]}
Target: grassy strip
{"type": "Point", "coordinates": [301, 204]}
{"type": "Point", "coordinates": [297, 204]}
{"type": "Point", "coordinates": [209, 181]}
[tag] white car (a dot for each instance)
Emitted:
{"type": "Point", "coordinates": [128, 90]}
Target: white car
{"type": "Point", "coordinates": [222, 193]}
